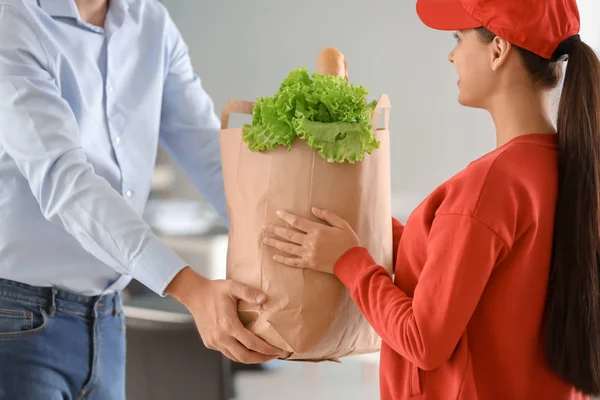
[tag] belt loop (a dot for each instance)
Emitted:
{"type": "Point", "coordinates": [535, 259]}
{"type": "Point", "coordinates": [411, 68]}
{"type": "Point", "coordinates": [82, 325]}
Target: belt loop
{"type": "Point", "coordinates": [114, 311]}
{"type": "Point", "coordinates": [53, 303]}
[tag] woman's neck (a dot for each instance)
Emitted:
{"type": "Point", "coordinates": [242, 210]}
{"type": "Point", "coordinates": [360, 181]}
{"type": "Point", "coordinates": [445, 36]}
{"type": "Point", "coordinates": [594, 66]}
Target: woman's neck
{"type": "Point", "coordinates": [518, 111]}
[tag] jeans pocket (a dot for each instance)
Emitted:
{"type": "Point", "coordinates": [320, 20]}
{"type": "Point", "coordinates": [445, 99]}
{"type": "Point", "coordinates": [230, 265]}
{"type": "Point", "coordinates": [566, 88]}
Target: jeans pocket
{"type": "Point", "coordinates": [20, 319]}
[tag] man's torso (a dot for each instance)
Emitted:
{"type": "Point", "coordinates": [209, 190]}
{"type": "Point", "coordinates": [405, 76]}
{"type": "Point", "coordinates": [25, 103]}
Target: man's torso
{"type": "Point", "coordinates": [112, 80]}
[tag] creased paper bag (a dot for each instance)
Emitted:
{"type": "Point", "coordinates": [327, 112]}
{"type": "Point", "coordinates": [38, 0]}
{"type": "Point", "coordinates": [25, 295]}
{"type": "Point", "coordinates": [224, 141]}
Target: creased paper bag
{"type": "Point", "coordinates": [309, 314]}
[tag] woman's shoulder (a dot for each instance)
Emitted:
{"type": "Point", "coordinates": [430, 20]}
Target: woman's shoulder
{"type": "Point", "coordinates": [520, 165]}
{"type": "Point", "coordinates": [505, 188]}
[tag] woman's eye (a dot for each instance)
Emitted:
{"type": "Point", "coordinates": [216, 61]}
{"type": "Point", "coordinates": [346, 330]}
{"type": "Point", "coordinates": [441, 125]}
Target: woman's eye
{"type": "Point", "coordinates": [455, 35]}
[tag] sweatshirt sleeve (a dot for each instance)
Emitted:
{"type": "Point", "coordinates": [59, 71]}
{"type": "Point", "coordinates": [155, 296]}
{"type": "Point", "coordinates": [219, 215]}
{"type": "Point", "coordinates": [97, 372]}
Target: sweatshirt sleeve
{"type": "Point", "coordinates": [425, 328]}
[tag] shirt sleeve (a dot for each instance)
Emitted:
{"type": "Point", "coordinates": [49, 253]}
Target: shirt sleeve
{"type": "Point", "coordinates": [41, 135]}
{"type": "Point", "coordinates": [425, 328]}
{"type": "Point", "coordinates": [189, 127]}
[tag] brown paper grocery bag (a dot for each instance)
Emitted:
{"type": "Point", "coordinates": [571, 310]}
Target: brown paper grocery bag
{"type": "Point", "coordinates": [309, 314]}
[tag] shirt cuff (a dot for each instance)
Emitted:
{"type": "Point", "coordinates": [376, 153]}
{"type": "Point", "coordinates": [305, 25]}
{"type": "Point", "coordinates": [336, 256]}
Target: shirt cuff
{"type": "Point", "coordinates": [157, 266]}
{"type": "Point", "coordinates": [350, 267]}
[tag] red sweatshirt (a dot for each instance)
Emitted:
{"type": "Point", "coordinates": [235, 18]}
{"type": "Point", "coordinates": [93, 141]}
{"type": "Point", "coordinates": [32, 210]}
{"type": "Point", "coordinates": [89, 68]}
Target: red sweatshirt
{"type": "Point", "coordinates": [462, 318]}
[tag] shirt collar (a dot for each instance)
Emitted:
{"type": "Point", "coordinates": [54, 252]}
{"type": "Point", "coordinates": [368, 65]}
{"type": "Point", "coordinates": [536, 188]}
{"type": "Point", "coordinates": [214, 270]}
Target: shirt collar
{"type": "Point", "coordinates": [68, 8]}
{"type": "Point", "coordinates": [60, 8]}
{"type": "Point", "coordinates": [115, 18]}
{"type": "Point", "coordinates": [118, 12]}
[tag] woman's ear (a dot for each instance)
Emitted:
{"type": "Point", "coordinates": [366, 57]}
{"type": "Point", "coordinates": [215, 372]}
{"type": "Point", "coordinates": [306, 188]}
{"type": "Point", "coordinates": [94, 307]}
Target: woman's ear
{"type": "Point", "coordinates": [499, 51]}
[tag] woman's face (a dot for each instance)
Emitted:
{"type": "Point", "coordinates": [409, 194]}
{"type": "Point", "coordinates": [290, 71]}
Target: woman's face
{"type": "Point", "coordinates": [473, 60]}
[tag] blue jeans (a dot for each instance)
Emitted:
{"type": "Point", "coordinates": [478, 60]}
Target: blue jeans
{"type": "Point", "coordinates": [56, 345]}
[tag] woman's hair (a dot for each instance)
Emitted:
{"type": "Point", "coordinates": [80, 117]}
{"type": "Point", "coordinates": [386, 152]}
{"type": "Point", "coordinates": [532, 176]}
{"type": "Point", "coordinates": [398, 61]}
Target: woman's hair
{"type": "Point", "coordinates": [572, 312]}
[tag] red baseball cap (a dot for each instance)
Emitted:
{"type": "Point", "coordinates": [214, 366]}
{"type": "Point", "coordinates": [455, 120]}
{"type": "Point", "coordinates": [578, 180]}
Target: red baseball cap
{"type": "Point", "coordinates": [539, 26]}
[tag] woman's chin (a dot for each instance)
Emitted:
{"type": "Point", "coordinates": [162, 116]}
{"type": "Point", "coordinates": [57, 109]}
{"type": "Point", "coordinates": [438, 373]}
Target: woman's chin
{"type": "Point", "coordinates": [464, 100]}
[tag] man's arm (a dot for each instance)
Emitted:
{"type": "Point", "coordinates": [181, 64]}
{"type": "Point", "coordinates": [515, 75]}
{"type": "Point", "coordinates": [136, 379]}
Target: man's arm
{"type": "Point", "coordinates": [189, 127]}
{"type": "Point", "coordinates": [39, 132]}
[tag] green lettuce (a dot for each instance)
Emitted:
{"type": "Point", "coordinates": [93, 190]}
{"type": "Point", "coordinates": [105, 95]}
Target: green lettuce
{"type": "Point", "coordinates": [333, 117]}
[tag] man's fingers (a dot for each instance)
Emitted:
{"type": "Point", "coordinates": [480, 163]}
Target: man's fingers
{"type": "Point", "coordinates": [287, 234]}
{"type": "Point", "coordinates": [211, 344]}
{"type": "Point", "coordinates": [289, 248]}
{"type": "Point", "coordinates": [247, 293]}
{"type": "Point", "coordinates": [247, 356]}
{"type": "Point", "coordinates": [228, 354]}
{"type": "Point", "coordinates": [254, 343]}
{"type": "Point", "coordinates": [331, 218]}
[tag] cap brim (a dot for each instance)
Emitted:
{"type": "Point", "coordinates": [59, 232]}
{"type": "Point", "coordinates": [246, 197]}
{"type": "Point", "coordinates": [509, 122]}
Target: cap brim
{"type": "Point", "coordinates": [445, 15]}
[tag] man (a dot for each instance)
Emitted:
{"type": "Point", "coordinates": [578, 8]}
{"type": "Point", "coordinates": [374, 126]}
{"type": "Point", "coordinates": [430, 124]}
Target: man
{"type": "Point", "coordinates": [88, 90]}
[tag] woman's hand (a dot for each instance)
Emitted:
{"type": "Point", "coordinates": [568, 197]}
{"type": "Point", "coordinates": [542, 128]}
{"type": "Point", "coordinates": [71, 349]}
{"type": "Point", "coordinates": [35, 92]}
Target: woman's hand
{"type": "Point", "coordinates": [317, 246]}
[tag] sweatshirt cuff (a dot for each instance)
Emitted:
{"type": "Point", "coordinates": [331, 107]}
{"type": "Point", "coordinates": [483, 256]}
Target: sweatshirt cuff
{"type": "Point", "coordinates": [156, 267]}
{"type": "Point", "coordinates": [351, 266]}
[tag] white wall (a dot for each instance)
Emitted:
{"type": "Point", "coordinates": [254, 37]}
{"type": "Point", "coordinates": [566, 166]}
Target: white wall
{"type": "Point", "coordinates": [589, 11]}
{"type": "Point", "coordinates": [244, 48]}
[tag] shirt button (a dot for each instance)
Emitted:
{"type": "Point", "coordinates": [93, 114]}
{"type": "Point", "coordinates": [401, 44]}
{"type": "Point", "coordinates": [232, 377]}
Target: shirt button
{"type": "Point", "coordinates": [118, 140]}
{"type": "Point", "coordinates": [129, 193]}
{"type": "Point", "coordinates": [110, 89]}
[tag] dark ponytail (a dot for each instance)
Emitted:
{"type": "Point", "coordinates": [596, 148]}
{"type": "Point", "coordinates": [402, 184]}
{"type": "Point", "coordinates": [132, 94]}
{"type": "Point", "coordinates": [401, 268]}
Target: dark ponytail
{"type": "Point", "coordinates": [572, 315]}
{"type": "Point", "coordinates": [572, 330]}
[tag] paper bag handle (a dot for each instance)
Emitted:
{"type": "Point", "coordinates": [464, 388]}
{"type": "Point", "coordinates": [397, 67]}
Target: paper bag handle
{"type": "Point", "coordinates": [235, 106]}
{"type": "Point", "coordinates": [245, 107]}
{"type": "Point", "coordinates": [383, 104]}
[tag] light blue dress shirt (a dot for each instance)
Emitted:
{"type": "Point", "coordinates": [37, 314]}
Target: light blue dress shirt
{"type": "Point", "coordinates": [82, 112]}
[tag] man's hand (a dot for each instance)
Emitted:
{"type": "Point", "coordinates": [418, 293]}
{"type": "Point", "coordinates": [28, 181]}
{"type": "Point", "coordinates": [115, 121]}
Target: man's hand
{"type": "Point", "coordinates": [214, 307]}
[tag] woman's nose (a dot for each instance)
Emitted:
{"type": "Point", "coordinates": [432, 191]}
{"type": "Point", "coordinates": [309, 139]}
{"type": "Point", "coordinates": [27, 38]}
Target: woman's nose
{"type": "Point", "coordinates": [451, 56]}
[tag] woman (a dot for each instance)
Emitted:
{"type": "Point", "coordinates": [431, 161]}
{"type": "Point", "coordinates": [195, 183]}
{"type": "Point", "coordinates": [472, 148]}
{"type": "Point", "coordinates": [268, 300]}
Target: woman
{"type": "Point", "coordinates": [496, 291]}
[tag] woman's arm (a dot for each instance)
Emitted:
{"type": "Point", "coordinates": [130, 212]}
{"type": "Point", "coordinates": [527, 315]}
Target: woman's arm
{"type": "Point", "coordinates": [425, 328]}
